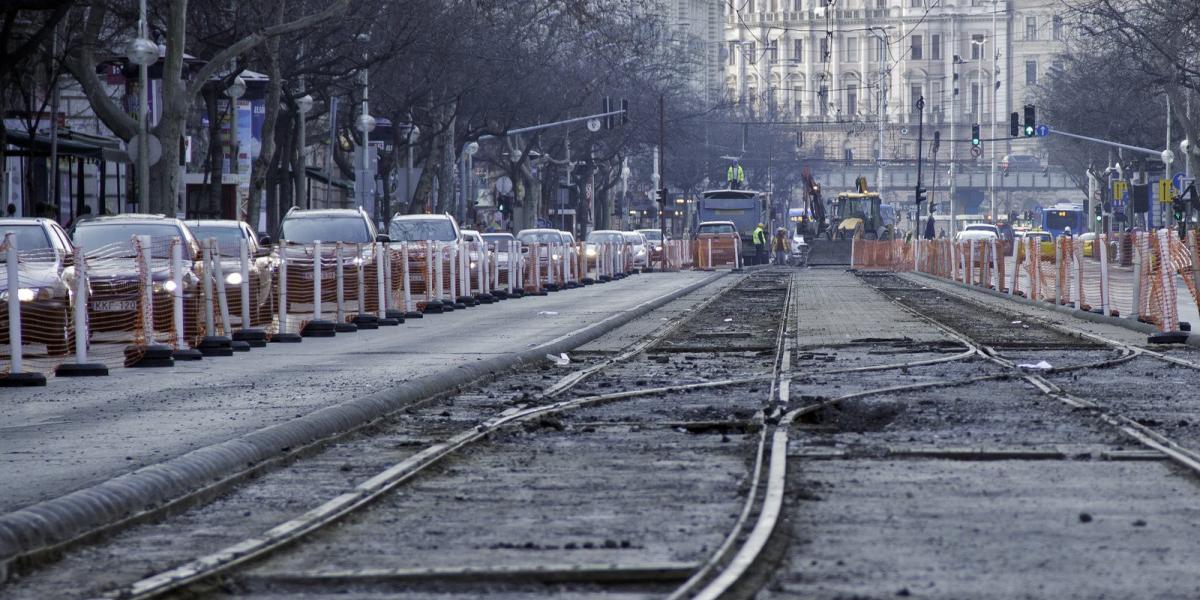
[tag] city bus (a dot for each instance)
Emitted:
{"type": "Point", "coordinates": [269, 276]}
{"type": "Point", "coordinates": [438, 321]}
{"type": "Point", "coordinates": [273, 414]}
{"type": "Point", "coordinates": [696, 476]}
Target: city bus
{"type": "Point", "coordinates": [1059, 217]}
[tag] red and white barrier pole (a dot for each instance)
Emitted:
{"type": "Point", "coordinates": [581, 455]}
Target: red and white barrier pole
{"type": "Point", "coordinates": [222, 296]}
{"type": "Point", "coordinates": [317, 300]}
{"type": "Point", "coordinates": [381, 287]}
{"type": "Point", "coordinates": [177, 268]}
{"type": "Point", "coordinates": [1102, 241]}
{"type": "Point", "coordinates": [340, 283]}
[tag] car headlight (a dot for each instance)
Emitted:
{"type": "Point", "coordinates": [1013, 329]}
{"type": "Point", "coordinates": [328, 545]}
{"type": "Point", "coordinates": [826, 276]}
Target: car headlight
{"type": "Point", "coordinates": [165, 286]}
{"type": "Point", "coordinates": [234, 278]}
{"type": "Point", "coordinates": [555, 257]}
{"type": "Point", "coordinates": [169, 286]}
{"type": "Point", "coordinates": [591, 251]}
{"type": "Point", "coordinates": [27, 294]}
{"type": "Point", "coordinates": [473, 264]}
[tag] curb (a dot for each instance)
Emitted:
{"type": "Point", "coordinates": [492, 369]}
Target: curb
{"type": "Point", "coordinates": [1130, 324]}
{"type": "Point", "coordinates": [51, 526]}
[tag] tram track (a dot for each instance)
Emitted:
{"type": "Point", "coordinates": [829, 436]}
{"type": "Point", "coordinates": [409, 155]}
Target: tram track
{"type": "Point", "coordinates": [540, 406]}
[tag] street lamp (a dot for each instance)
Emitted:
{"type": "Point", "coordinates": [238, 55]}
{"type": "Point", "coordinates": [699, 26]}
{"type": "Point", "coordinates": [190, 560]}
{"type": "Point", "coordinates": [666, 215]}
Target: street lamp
{"type": "Point", "coordinates": [411, 136]}
{"type": "Point", "coordinates": [304, 105]}
{"type": "Point", "coordinates": [143, 53]}
{"type": "Point", "coordinates": [234, 92]}
{"type": "Point", "coordinates": [468, 164]}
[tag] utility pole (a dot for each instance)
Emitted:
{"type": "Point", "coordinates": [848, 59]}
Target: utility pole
{"type": "Point", "coordinates": [920, 192]}
{"type": "Point", "coordinates": [995, 87]}
{"type": "Point", "coordinates": [662, 176]}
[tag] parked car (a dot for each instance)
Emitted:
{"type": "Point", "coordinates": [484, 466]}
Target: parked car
{"type": "Point", "coordinates": [351, 227]}
{"type": "Point", "coordinates": [598, 238]}
{"type": "Point", "coordinates": [424, 228]}
{"type": "Point", "coordinates": [477, 250]}
{"type": "Point", "coordinates": [229, 235]}
{"type": "Point", "coordinates": [655, 243]}
{"type": "Point", "coordinates": [550, 246]}
{"type": "Point", "coordinates": [113, 270]}
{"type": "Point", "coordinates": [500, 243]}
{"type": "Point", "coordinates": [639, 249]}
{"type": "Point", "coordinates": [45, 253]}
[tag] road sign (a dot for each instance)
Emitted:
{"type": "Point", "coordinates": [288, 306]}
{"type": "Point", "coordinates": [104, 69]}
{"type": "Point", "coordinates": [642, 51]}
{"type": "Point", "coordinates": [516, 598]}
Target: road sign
{"type": "Point", "coordinates": [1165, 191]}
{"type": "Point", "coordinates": [1119, 187]}
{"type": "Point", "coordinates": [1178, 182]}
{"type": "Point", "coordinates": [976, 151]}
{"type": "Point", "coordinates": [1042, 130]}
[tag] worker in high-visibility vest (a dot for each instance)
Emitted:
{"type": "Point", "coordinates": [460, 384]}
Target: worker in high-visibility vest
{"type": "Point", "coordinates": [782, 246]}
{"type": "Point", "coordinates": [736, 176]}
{"type": "Point", "coordinates": [759, 238]}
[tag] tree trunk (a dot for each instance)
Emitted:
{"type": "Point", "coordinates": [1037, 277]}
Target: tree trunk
{"type": "Point", "coordinates": [446, 176]}
{"type": "Point", "coordinates": [266, 155]}
{"type": "Point", "coordinates": [215, 155]}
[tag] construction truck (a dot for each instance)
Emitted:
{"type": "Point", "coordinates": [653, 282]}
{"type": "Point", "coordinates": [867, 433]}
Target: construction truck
{"type": "Point", "coordinates": [861, 214]}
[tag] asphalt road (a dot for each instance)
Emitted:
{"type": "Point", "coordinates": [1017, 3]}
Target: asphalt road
{"type": "Point", "coordinates": [76, 433]}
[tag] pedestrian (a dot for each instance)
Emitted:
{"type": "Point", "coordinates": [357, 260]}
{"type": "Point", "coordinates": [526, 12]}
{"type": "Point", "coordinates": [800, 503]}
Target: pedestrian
{"type": "Point", "coordinates": [759, 237]}
{"type": "Point", "coordinates": [12, 210]}
{"type": "Point", "coordinates": [782, 246]}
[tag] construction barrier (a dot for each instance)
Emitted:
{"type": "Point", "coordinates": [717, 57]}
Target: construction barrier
{"type": "Point", "coordinates": [717, 252]}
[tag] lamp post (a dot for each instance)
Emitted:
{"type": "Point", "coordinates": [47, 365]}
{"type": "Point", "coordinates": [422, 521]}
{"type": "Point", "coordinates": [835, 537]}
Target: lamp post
{"type": "Point", "coordinates": [304, 104]}
{"type": "Point", "coordinates": [235, 91]}
{"type": "Point", "coordinates": [366, 124]}
{"type": "Point", "coordinates": [468, 164]}
{"type": "Point", "coordinates": [881, 97]}
{"type": "Point", "coordinates": [143, 53]}
{"type": "Point", "coordinates": [953, 140]}
{"type": "Point", "coordinates": [410, 137]}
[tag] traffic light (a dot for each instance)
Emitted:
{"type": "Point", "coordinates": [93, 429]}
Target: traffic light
{"type": "Point", "coordinates": [660, 196]}
{"type": "Point", "coordinates": [1177, 208]}
{"type": "Point", "coordinates": [937, 140]}
{"type": "Point", "coordinates": [607, 108]}
{"type": "Point", "coordinates": [975, 139]}
{"type": "Point", "coordinates": [1099, 211]}
{"type": "Point", "coordinates": [1014, 125]}
{"type": "Point", "coordinates": [1030, 125]}
{"type": "Point", "coordinates": [920, 195]}
{"type": "Point", "coordinates": [502, 204]}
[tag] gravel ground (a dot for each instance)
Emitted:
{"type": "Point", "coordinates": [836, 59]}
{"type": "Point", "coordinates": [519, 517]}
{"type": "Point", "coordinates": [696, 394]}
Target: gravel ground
{"type": "Point", "coordinates": [663, 478]}
{"type": "Point", "coordinates": [990, 490]}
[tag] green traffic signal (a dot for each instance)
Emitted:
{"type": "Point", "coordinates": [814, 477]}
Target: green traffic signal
{"type": "Point", "coordinates": [975, 138]}
{"type": "Point", "coordinates": [1029, 131]}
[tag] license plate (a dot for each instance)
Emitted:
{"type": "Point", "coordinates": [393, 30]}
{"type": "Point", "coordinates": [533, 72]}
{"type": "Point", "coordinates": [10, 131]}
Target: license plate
{"type": "Point", "coordinates": [326, 274]}
{"type": "Point", "coordinates": [114, 305]}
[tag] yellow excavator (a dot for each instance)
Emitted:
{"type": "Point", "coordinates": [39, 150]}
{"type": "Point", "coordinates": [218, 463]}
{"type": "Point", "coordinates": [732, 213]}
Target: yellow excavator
{"type": "Point", "coordinates": [861, 214]}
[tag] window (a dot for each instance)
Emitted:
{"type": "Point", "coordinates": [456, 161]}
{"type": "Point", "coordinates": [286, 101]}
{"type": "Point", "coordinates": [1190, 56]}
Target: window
{"type": "Point", "coordinates": [798, 50]}
{"type": "Point", "coordinates": [852, 49]}
{"type": "Point", "coordinates": [880, 3]}
{"type": "Point", "coordinates": [773, 50]}
{"type": "Point", "coordinates": [916, 3]}
{"type": "Point", "coordinates": [733, 50]}
{"type": "Point", "coordinates": [975, 99]}
{"type": "Point", "coordinates": [1031, 72]}
{"type": "Point", "coordinates": [825, 49]}
{"type": "Point", "coordinates": [852, 99]}
{"type": "Point", "coordinates": [915, 92]}
{"type": "Point", "coordinates": [935, 47]}
{"type": "Point", "coordinates": [1031, 28]}
{"type": "Point", "coordinates": [799, 102]}
{"type": "Point", "coordinates": [977, 46]}
{"type": "Point", "coordinates": [916, 48]}
{"type": "Point", "coordinates": [936, 105]}
{"type": "Point", "coordinates": [880, 50]}
{"type": "Point", "coordinates": [1058, 28]}
{"type": "Point", "coordinates": [751, 53]}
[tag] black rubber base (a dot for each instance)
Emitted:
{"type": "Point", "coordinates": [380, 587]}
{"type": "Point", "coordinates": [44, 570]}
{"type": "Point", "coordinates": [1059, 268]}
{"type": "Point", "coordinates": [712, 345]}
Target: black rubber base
{"type": "Point", "coordinates": [345, 327]}
{"type": "Point", "coordinates": [487, 299]}
{"type": "Point", "coordinates": [286, 338]}
{"type": "Point", "coordinates": [81, 370]}
{"type": "Point", "coordinates": [398, 315]}
{"type": "Point", "coordinates": [389, 322]}
{"type": "Point", "coordinates": [240, 346]}
{"type": "Point", "coordinates": [573, 285]}
{"type": "Point", "coordinates": [604, 279]}
{"type": "Point", "coordinates": [550, 287]}
{"type": "Point", "coordinates": [588, 281]}
{"type": "Point", "coordinates": [465, 301]}
{"type": "Point", "coordinates": [187, 354]}
{"type": "Point", "coordinates": [1169, 337]}
{"type": "Point", "coordinates": [500, 294]}
{"type": "Point", "coordinates": [517, 293]}
{"type": "Point", "coordinates": [413, 315]}
{"type": "Point", "coordinates": [460, 306]}
{"type": "Point", "coordinates": [319, 329]}
{"type": "Point", "coordinates": [153, 356]}
{"type": "Point", "coordinates": [366, 321]}
{"type": "Point", "coordinates": [432, 307]}
{"type": "Point", "coordinates": [22, 380]}
{"type": "Point", "coordinates": [257, 338]}
{"type": "Point", "coordinates": [215, 345]}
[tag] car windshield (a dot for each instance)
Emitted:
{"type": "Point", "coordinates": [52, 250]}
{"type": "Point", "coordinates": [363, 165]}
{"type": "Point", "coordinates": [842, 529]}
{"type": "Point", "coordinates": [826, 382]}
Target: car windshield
{"type": "Point", "coordinates": [539, 237]}
{"type": "Point", "coordinates": [421, 230]}
{"type": "Point", "coordinates": [634, 238]}
{"type": "Point", "coordinates": [229, 239]}
{"type": "Point", "coordinates": [601, 237]}
{"type": "Point", "coordinates": [350, 229]}
{"type": "Point", "coordinates": [29, 236]}
{"type": "Point", "coordinates": [716, 228]}
{"type": "Point", "coordinates": [849, 208]}
{"type": "Point", "coordinates": [94, 236]}
{"type": "Point", "coordinates": [991, 228]}
{"type": "Point", "coordinates": [501, 241]}
{"type": "Point", "coordinates": [652, 235]}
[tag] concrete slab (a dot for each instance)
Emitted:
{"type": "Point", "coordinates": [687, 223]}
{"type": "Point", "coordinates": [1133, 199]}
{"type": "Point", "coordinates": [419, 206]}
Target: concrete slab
{"type": "Point", "coordinates": [834, 307]}
{"type": "Point", "coordinates": [73, 434]}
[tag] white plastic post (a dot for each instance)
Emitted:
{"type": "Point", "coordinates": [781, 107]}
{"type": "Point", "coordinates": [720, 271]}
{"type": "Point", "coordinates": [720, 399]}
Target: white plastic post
{"type": "Point", "coordinates": [436, 248]}
{"type": "Point", "coordinates": [1077, 267]}
{"type": "Point", "coordinates": [222, 297]}
{"type": "Point", "coordinates": [737, 261]}
{"type": "Point", "coordinates": [81, 303]}
{"type": "Point", "coordinates": [244, 258]}
{"type": "Point", "coordinates": [389, 283]}
{"type": "Point", "coordinates": [14, 302]}
{"type": "Point", "coordinates": [362, 282]}
{"type": "Point", "coordinates": [340, 282]}
{"type": "Point", "coordinates": [177, 267]}
{"type": "Point", "coordinates": [408, 302]}
{"type": "Point", "coordinates": [380, 280]}
{"type": "Point", "coordinates": [708, 262]}
{"type": "Point", "coordinates": [317, 300]}
{"type": "Point", "coordinates": [514, 257]}
{"type": "Point", "coordinates": [454, 272]}
{"type": "Point", "coordinates": [1166, 273]}
{"type": "Point", "coordinates": [1102, 240]}
{"type": "Point", "coordinates": [971, 263]}
{"type": "Point", "coordinates": [996, 264]}
{"type": "Point", "coordinates": [1058, 283]}
{"type": "Point", "coordinates": [1137, 276]}
{"type": "Point", "coordinates": [210, 327]}
{"type": "Point", "coordinates": [535, 250]}
{"type": "Point", "coordinates": [481, 267]}
{"type": "Point", "coordinates": [283, 262]}
{"type": "Point", "coordinates": [1016, 270]}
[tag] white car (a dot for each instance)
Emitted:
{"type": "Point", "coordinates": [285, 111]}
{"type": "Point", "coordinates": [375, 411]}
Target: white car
{"type": "Point", "coordinates": [639, 248]}
{"type": "Point", "coordinates": [982, 227]}
{"type": "Point", "coordinates": [976, 234]}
